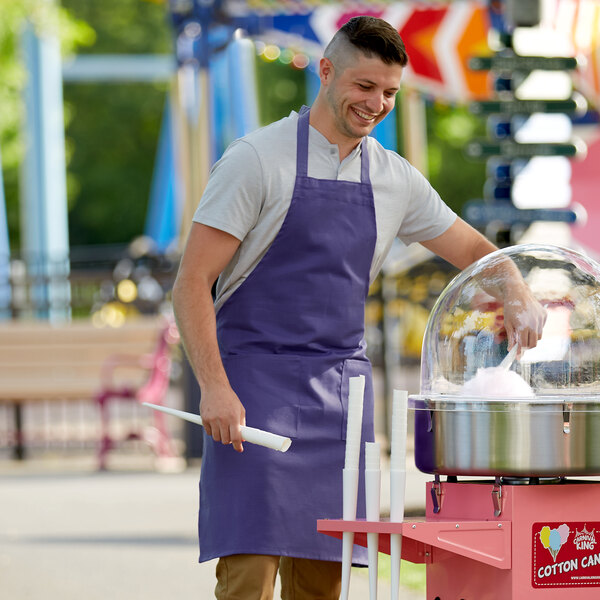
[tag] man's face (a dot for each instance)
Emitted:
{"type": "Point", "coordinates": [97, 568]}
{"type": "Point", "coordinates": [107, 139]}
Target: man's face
{"type": "Point", "coordinates": [362, 94]}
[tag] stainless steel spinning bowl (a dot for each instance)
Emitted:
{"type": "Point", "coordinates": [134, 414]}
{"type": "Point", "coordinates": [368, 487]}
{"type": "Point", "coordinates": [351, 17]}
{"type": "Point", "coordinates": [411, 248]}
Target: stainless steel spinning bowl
{"type": "Point", "coordinates": [516, 437]}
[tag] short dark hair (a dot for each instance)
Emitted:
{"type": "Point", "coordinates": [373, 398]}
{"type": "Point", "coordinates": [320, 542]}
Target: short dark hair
{"type": "Point", "coordinates": [375, 36]}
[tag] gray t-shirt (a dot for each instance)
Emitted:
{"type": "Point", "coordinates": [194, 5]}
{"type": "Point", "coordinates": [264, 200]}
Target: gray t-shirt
{"type": "Point", "coordinates": [250, 189]}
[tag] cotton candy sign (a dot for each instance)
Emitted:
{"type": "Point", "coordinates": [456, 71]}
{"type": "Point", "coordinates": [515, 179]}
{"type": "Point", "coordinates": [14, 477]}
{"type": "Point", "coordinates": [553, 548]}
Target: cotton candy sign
{"type": "Point", "coordinates": [565, 555]}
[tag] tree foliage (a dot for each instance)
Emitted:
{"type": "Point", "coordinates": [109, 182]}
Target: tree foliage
{"type": "Point", "coordinates": [111, 129]}
{"type": "Point", "coordinates": [455, 177]}
{"type": "Point", "coordinates": [114, 127]}
{"type": "Point", "coordinates": [46, 17]}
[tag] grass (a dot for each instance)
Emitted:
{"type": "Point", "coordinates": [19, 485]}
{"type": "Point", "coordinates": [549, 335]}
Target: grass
{"type": "Point", "coordinates": [412, 575]}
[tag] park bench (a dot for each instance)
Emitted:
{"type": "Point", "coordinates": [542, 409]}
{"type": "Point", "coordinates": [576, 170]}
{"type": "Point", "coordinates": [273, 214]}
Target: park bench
{"type": "Point", "coordinates": [42, 362]}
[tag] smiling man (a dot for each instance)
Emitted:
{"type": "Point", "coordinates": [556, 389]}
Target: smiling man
{"type": "Point", "coordinates": [360, 77]}
{"type": "Point", "coordinates": [295, 222]}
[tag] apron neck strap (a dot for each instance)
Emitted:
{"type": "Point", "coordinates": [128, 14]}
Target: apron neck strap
{"type": "Point", "coordinates": [364, 162]}
{"type": "Point", "coordinates": [302, 148]}
{"type": "Point", "coordinates": [302, 142]}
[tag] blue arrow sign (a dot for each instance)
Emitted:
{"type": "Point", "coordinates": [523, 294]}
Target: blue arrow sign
{"type": "Point", "coordinates": [511, 149]}
{"type": "Point", "coordinates": [514, 62]}
{"type": "Point", "coordinates": [479, 213]}
{"type": "Point", "coordinates": [514, 106]}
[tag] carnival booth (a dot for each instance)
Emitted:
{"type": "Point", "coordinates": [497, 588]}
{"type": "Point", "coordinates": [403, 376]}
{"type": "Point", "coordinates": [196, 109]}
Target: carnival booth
{"type": "Point", "coordinates": [510, 438]}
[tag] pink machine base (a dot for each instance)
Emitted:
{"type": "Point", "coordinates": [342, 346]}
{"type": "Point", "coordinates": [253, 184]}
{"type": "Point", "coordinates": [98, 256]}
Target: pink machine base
{"type": "Point", "coordinates": [485, 540]}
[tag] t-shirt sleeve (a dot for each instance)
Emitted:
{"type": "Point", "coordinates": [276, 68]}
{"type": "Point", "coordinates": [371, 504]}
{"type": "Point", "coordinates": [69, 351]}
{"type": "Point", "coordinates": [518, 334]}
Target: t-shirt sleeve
{"type": "Point", "coordinates": [232, 199]}
{"type": "Point", "coordinates": [427, 216]}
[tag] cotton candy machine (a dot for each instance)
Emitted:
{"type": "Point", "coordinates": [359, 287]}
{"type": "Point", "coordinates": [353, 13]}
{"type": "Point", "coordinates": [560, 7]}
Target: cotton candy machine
{"type": "Point", "coordinates": [541, 416]}
{"type": "Point", "coordinates": [529, 425]}
{"type": "Point", "coordinates": [509, 521]}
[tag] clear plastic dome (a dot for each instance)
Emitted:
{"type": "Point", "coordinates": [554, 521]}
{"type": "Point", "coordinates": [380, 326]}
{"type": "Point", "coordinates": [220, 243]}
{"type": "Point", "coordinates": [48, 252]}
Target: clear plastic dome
{"type": "Point", "coordinates": [466, 341]}
{"type": "Point", "coordinates": [540, 414]}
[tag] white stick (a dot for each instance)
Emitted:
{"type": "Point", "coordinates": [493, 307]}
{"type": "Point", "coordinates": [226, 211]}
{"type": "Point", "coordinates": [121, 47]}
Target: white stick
{"type": "Point", "coordinates": [356, 393]}
{"type": "Point", "coordinates": [397, 483]}
{"type": "Point", "coordinates": [347, 546]}
{"type": "Point", "coordinates": [350, 473]}
{"type": "Point", "coordinates": [397, 487]}
{"type": "Point", "coordinates": [399, 427]}
{"type": "Point", "coordinates": [350, 483]}
{"type": "Point", "coordinates": [249, 434]}
{"type": "Point", "coordinates": [373, 504]}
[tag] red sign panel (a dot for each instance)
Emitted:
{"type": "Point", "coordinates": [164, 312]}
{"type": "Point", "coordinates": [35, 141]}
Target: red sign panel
{"type": "Point", "coordinates": [566, 554]}
{"type": "Point", "coordinates": [418, 32]}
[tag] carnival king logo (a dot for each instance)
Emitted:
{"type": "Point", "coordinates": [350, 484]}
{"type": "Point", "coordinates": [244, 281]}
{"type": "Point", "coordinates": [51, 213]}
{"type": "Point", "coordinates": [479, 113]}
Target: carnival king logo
{"type": "Point", "coordinates": [553, 539]}
{"type": "Point", "coordinates": [584, 539]}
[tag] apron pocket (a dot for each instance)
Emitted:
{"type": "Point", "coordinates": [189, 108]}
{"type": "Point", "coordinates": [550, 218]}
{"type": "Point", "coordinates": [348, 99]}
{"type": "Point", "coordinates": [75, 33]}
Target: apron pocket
{"type": "Point", "coordinates": [323, 410]}
{"type": "Point", "coordinates": [353, 368]}
{"type": "Point", "coordinates": [321, 414]}
{"type": "Point", "coordinates": [267, 386]}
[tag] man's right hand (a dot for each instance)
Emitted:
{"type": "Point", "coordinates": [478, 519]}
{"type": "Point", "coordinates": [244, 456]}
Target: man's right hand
{"type": "Point", "coordinates": [206, 254]}
{"type": "Point", "coordinates": [222, 415]}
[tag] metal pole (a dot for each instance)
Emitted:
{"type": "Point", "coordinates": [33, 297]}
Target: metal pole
{"type": "Point", "coordinates": [242, 85]}
{"type": "Point", "coordinates": [414, 130]}
{"type": "Point", "coordinates": [45, 237]}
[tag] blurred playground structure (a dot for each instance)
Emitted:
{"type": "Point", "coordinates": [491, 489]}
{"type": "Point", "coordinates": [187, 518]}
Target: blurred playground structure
{"type": "Point", "coordinates": [542, 151]}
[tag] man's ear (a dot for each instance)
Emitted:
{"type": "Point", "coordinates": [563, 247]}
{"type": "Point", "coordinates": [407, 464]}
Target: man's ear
{"type": "Point", "coordinates": [326, 71]}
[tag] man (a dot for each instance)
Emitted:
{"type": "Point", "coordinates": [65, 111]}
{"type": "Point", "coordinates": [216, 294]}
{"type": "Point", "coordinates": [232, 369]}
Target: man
{"type": "Point", "coordinates": [296, 221]}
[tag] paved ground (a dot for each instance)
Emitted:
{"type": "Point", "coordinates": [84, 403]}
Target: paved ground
{"type": "Point", "coordinates": [68, 532]}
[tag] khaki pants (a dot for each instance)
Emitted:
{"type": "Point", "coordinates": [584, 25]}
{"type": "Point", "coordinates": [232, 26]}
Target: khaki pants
{"type": "Point", "coordinates": [252, 577]}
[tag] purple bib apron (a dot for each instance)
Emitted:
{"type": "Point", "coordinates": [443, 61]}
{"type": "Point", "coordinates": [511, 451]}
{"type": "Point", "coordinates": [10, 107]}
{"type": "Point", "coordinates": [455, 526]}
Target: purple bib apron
{"type": "Point", "coordinates": [290, 338]}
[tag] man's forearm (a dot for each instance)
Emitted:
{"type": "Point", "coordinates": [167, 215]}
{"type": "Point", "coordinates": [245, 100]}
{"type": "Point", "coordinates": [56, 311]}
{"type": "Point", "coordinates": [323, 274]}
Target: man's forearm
{"type": "Point", "coordinates": [460, 245]}
{"type": "Point", "coordinates": [195, 316]}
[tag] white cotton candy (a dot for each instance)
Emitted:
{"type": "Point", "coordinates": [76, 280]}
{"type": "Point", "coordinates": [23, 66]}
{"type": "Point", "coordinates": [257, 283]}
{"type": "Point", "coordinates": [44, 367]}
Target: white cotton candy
{"type": "Point", "coordinates": [497, 382]}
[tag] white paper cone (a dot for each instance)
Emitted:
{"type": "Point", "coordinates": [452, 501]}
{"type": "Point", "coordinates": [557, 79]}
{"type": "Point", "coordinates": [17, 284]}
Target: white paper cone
{"type": "Point", "coordinates": [372, 456]}
{"type": "Point", "coordinates": [347, 545]}
{"type": "Point", "coordinates": [356, 389]}
{"type": "Point", "coordinates": [395, 559]}
{"type": "Point", "coordinates": [372, 494]}
{"type": "Point", "coordinates": [373, 552]}
{"type": "Point", "coordinates": [397, 492]}
{"type": "Point", "coordinates": [399, 427]}
{"type": "Point", "coordinates": [350, 497]}
{"type": "Point", "coordinates": [372, 498]}
{"type": "Point", "coordinates": [397, 484]}
{"type": "Point", "coordinates": [250, 434]}
{"type": "Point", "coordinates": [353, 441]}
{"type": "Point", "coordinates": [350, 493]}
{"type": "Point", "coordinates": [354, 426]}
{"type": "Point", "coordinates": [265, 438]}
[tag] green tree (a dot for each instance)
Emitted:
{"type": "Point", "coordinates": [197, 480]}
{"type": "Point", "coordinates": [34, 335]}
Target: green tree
{"type": "Point", "coordinates": [45, 17]}
{"type": "Point", "coordinates": [282, 87]}
{"type": "Point", "coordinates": [113, 129]}
{"type": "Point", "coordinates": [455, 177]}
